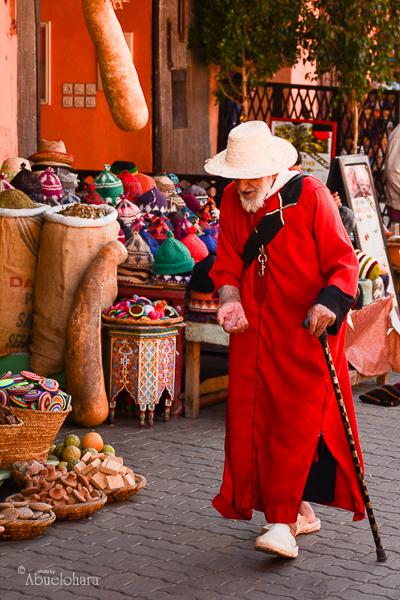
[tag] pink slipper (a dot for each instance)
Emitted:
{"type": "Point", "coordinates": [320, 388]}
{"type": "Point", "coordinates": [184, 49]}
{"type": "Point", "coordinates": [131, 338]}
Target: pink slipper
{"type": "Point", "coordinates": [303, 526]}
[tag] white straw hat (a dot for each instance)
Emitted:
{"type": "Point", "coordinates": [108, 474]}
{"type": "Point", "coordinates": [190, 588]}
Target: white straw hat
{"type": "Point", "coordinates": [252, 151]}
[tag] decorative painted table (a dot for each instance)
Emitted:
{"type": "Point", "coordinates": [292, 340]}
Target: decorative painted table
{"type": "Point", "coordinates": [175, 296]}
{"type": "Point", "coordinates": [142, 361]}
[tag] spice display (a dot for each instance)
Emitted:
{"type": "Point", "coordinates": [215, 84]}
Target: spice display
{"type": "Point", "coordinates": [31, 391]}
{"type": "Point", "coordinates": [84, 211]}
{"type": "Point", "coordinates": [15, 199]}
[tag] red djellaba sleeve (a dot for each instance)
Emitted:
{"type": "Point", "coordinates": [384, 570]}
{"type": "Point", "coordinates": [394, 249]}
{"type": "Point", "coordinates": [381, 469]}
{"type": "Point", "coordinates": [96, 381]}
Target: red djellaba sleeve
{"type": "Point", "coordinates": [228, 265]}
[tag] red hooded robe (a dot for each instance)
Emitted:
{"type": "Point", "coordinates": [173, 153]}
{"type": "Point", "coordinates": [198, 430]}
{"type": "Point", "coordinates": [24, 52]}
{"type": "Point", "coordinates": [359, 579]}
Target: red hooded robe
{"type": "Point", "coordinates": [280, 394]}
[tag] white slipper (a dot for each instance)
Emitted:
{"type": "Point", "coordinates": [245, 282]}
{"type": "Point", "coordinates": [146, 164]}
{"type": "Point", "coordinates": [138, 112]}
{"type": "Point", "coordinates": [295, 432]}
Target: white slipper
{"type": "Point", "coordinates": [303, 526]}
{"type": "Point", "coordinates": [278, 540]}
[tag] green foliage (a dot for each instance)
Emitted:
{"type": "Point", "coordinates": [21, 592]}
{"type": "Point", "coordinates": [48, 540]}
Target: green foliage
{"type": "Point", "coordinates": [254, 38]}
{"type": "Point", "coordinates": [357, 40]}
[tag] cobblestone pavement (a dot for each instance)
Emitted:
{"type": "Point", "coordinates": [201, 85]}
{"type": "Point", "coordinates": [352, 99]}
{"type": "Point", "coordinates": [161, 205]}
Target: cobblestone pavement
{"type": "Point", "coordinates": [167, 543]}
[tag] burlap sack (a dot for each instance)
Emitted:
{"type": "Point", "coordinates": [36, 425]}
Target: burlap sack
{"type": "Point", "coordinates": [19, 247]}
{"type": "Point", "coordinates": [67, 247]}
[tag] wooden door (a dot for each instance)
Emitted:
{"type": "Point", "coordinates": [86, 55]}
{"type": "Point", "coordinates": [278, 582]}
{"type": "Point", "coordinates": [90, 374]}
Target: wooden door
{"type": "Point", "coordinates": [181, 95]}
{"type": "Point", "coordinates": [28, 113]}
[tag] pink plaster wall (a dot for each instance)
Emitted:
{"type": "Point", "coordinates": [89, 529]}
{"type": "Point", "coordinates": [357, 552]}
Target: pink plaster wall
{"type": "Point", "coordinates": [8, 86]}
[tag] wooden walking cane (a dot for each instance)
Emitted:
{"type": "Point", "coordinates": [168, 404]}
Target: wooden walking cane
{"type": "Point", "coordinates": [380, 552]}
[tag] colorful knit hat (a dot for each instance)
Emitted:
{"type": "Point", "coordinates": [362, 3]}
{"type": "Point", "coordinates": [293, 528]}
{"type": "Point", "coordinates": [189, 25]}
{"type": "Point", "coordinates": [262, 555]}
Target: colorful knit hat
{"type": "Point", "coordinates": [210, 241]}
{"type": "Point", "coordinates": [139, 254]}
{"type": "Point", "coordinates": [203, 303]}
{"type": "Point", "coordinates": [197, 191]}
{"type": "Point", "coordinates": [369, 267]}
{"type": "Point", "coordinates": [51, 187]}
{"type": "Point", "coordinates": [90, 195]}
{"type": "Point", "coordinates": [159, 228]}
{"type": "Point", "coordinates": [152, 201]}
{"type": "Point", "coordinates": [121, 236]}
{"type": "Point", "coordinates": [172, 257]}
{"type": "Point", "coordinates": [12, 166]}
{"type": "Point", "coordinates": [69, 181]}
{"type": "Point", "coordinates": [69, 197]}
{"type": "Point", "coordinates": [181, 225]}
{"type": "Point", "coordinates": [176, 182]}
{"type": "Point", "coordinates": [127, 211]}
{"type": "Point", "coordinates": [132, 185]}
{"type": "Point", "coordinates": [4, 183]}
{"type": "Point", "coordinates": [192, 202]}
{"type": "Point", "coordinates": [196, 247]}
{"type": "Point", "coordinates": [122, 165]}
{"type": "Point", "coordinates": [167, 187]}
{"type": "Point", "coordinates": [146, 182]}
{"type": "Point", "coordinates": [109, 186]}
{"type": "Point", "coordinates": [28, 182]}
{"type": "Point", "coordinates": [150, 241]}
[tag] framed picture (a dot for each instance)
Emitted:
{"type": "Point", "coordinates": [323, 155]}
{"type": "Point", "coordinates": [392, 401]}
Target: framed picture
{"type": "Point", "coordinates": [315, 140]}
{"type": "Point", "coordinates": [351, 176]}
{"type": "Point", "coordinates": [45, 62]}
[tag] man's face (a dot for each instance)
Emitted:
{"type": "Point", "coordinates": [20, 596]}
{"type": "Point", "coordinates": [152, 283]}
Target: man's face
{"type": "Point", "coordinates": [252, 192]}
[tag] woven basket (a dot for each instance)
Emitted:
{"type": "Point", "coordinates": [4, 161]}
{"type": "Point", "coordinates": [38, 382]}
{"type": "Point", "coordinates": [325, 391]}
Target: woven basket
{"type": "Point", "coordinates": [39, 428]}
{"type": "Point", "coordinates": [142, 321]}
{"type": "Point", "coordinates": [8, 436]}
{"type": "Point", "coordinates": [126, 492]}
{"type": "Point", "coordinates": [26, 529]}
{"type": "Point", "coordinates": [74, 512]}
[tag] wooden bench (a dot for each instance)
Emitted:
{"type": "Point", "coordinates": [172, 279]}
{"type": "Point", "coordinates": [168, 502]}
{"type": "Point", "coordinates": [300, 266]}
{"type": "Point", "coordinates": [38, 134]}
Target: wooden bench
{"type": "Point", "coordinates": [213, 389]}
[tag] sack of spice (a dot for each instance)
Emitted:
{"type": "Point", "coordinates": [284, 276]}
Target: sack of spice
{"type": "Point", "coordinates": [71, 238]}
{"type": "Point", "coordinates": [20, 227]}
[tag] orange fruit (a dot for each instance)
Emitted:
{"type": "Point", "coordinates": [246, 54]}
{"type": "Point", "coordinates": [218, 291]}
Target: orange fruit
{"type": "Point", "coordinates": [93, 440]}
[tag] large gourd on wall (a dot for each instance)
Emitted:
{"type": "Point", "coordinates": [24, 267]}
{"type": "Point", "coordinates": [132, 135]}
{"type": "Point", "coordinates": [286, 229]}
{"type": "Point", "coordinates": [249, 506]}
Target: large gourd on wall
{"type": "Point", "coordinates": [121, 83]}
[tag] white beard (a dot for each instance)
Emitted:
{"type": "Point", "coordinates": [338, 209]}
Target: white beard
{"type": "Point", "coordinates": [252, 206]}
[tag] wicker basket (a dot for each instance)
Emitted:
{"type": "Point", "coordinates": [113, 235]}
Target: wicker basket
{"type": "Point", "coordinates": [142, 321]}
{"type": "Point", "coordinates": [125, 493]}
{"type": "Point", "coordinates": [26, 529]}
{"type": "Point", "coordinates": [39, 428]}
{"type": "Point", "coordinates": [74, 512]}
{"type": "Point", "coordinates": [8, 436]}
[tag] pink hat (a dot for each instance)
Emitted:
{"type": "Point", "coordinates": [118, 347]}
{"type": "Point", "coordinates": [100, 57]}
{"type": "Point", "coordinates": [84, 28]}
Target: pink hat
{"type": "Point", "coordinates": [127, 211]}
{"type": "Point", "coordinates": [51, 186]}
{"type": "Point", "coordinates": [196, 247]}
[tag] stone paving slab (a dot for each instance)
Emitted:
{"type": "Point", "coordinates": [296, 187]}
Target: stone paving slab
{"type": "Point", "coordinates": [167, 543]}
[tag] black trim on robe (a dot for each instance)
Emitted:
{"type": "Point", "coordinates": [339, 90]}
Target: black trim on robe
{"type": "Point", "coordinates": [338, 302]}
{"type": "Point", "coordinates": [271, 223]}
{"type": "Point", "coordinates": [321, 480]}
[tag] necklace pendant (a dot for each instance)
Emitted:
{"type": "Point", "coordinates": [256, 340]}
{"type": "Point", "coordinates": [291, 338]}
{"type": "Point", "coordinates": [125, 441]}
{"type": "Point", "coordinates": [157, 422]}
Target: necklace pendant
{"type": "Point", "coordinates": [262, 259]}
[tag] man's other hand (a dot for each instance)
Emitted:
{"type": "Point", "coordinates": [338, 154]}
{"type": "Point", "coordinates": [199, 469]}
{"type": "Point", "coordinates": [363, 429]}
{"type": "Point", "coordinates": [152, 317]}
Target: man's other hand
{"type": "Point", "coordinates": [320, 318]}
{"type": "Point", "coordinates": [232, 318]}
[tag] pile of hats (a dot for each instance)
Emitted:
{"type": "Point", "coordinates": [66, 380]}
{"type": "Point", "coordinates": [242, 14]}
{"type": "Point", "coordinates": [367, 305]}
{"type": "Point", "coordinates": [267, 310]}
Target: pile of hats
{"type": "Point", "coordinates": [32, 391]}
{"type": "Point", "coordinates": [143, 311]}
{"type": "Point", "coordinates": [50, 180]}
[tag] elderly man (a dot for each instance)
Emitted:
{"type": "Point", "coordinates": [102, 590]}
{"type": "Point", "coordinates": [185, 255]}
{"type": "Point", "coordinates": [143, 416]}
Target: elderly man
{"type": "Point", "coordinates": [283, 255]}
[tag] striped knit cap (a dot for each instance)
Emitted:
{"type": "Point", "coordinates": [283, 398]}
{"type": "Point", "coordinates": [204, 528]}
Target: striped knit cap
{"type": "Point", "coordinates": [369, 267]}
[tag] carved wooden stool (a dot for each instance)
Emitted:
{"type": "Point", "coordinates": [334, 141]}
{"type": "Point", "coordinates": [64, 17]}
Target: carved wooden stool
{"type": "Point", "coordinates": [141, 361]}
